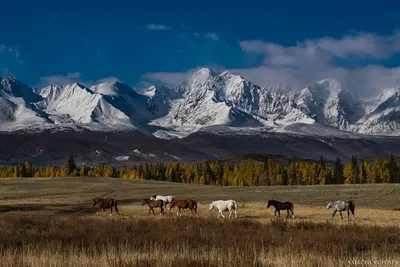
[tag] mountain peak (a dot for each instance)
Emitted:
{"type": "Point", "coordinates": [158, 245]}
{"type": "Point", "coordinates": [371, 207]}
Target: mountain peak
{"type": "Point", "coordinates": [201, 76]}
{"type": "Point", "coordinates": [229, 74]}
{"type": "Point", "coordinates": [332, 84]}
{"type": "Point", "coordinates": [10, 86]}
{"type": "Point", "coordinates": [205, 71]}
{"type": "Point", "coordinates": [113, 88]}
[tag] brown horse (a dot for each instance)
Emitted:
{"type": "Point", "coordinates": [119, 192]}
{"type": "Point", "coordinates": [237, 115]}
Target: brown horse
{"type": "Point", "coordinates": [288, 206]}
{"type": "Point", "coordinates": [183, 204]}
{"type": "Point", "coordinates": [104, 204]}
{"type": "Point", "coordinates": [154, 204]}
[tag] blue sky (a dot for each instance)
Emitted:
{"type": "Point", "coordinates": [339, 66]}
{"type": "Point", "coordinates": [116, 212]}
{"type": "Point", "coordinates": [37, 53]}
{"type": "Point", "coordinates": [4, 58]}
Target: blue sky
{"type": "Point", "coordinates": [43, 42]}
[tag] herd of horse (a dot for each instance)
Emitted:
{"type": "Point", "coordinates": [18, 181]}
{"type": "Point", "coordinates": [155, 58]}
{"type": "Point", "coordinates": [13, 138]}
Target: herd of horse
{"type": "Point", "coordinates": [170, 202]}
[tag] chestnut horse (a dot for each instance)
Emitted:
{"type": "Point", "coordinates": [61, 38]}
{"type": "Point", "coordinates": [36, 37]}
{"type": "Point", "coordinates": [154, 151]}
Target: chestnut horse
{"type": "Point", "coordinates": [183, 204]}
{"type": "Point", "coordinates": [152, 203]}
{"type": "Point", "coordinates": [104, 204]}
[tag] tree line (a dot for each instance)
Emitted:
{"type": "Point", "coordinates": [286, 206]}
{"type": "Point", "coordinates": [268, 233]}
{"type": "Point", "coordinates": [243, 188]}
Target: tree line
{"type": "Point", "coordinates": [216, 172]}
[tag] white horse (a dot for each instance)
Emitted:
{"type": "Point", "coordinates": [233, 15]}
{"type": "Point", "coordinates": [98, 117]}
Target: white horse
{"type": "Point", "coordinates": [339, 206]}
{"type": "Point", "coordinates": [224, 205]}
{"type": "Point", "coordinates": [166, 199]}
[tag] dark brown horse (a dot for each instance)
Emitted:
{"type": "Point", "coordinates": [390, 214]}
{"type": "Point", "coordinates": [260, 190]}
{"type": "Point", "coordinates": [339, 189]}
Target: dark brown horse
{"type": "Point", "coordinates": [183, 204]}
{"type": "Point", "coordinates": [154, 204]}
{"type": "Point", "coordinates": [104, 204]}
{"type": "Point", "coordinates": [288, 206]}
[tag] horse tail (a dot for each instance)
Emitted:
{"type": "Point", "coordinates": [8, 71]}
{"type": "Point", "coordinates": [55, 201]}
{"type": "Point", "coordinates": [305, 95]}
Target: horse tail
{"type": "Point", "coordinates": [234, 205]}
{"type": "Point", "coordinates": [116, 205]}
{"type": "Point", "coordinates": [292, 207]}
{"type": "Point", "coordinates": [195, 206]}
{"type": "Point", "coordinates": [351, 205]}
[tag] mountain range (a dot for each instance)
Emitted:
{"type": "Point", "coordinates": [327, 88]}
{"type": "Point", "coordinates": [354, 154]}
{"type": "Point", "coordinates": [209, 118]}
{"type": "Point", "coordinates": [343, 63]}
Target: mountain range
{"type": "Point", "coordinates": [205, 99]}
{"type": "Point", "coordinates": [208, 115]}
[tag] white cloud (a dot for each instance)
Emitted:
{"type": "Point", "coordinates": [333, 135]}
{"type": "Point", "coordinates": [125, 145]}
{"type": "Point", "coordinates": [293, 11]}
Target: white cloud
{"type": "Point", "coordinates": [110, 79]}
{"type": "Point", "coordinates": [72, 77]}
{"type": "Point", "coordinates": [166, 78]}
{"type": "Point", "coordinates": [312, 60]}
{"type": "Point", "coordinates": [212, 36]}
{"type": "Point", "coordinates": [320, 52]}
{"type": "Point", "coordinates": [157, 27]}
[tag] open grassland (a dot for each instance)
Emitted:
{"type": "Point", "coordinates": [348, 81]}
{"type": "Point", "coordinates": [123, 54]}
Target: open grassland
{"type": "Point", "coordinates": [50, 222]}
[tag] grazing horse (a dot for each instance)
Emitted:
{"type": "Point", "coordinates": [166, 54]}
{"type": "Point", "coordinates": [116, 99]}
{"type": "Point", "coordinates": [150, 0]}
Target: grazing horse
{"type": "Point", "coordinates": [342, 206]}
{"type": "Point", "coordinates": [154, 204]}
{"type": "Point", "coordinates": [104, 204]}
{"type": "Point", "coordinates": [183, 204]}
{"type": "Point", "coordinates": [288, 206]}
{"type": "Point", "coordinates": [224, 205]}
{"type": "Point", "coordinates": [166, 199]}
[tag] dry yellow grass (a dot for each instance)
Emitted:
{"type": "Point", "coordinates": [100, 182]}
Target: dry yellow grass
{"type": "Point", "coordinates": [50, 222]}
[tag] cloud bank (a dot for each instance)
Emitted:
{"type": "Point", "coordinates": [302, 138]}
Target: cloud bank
{"type": "Point", "coordinates": [315, 59]}
{"type": "Point", "coordinates": [72, 77]}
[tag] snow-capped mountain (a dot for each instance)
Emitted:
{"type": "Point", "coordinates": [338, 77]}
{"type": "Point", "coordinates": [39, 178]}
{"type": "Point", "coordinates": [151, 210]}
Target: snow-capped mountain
{"type": "Point", "coordinates": [207, 98]}
{"type": "Point", "coordinates": [384, 117]}
{"type": "Point", "coordinates": [139, 108]}
{"type": "Point", "coordinates": [328, 104]}
{"type": "Point", "coordinates": [16, 107]}
{"type": "Point", "coordinates": [75, 103]}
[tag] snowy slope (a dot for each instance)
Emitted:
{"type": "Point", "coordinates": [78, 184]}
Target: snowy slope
{"type": "Point", "coordinates": [328, 104]}
{"type": "Point", "coordinates": [16, 106]}
{"type": "Point", "coordinates": [75, 103]}
{"type": "Point", "coordinates": [384, 115]}
{"type": "Point", "coordinates": [139, 108]}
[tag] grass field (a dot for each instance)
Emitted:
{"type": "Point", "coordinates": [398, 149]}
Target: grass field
{"type": "Point", "coordinates": [50, 222]}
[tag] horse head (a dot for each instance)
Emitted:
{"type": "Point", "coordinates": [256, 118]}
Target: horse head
{"type": "Point", "coordinates": [171, 205]}
{"type": "Point", "coordinates": [330, 205]}
{"type": "Point", "coordinates": [210, 207]}
{"type": "Point", "coordinates": [270, 202]}
{"type": "Point", "coordinates": [143, 202]}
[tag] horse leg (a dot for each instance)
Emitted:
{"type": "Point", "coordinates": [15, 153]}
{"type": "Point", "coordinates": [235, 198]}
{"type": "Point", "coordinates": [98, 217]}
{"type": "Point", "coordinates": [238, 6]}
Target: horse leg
{"type": "Point", "coordinates": [152, 209]}
{"type": "Point", "coordinates": [341, 214]}
{"type": "Point", "coordinates": [235, 214]}
{"type": "Point", "coordinates": [334, 212]}
{"type": "Point", "coordinates": [279, 213]}
{"type": "Point", "coordinates": [230, 214]}
{"type": "Point", "coordinates": [111, 210]}
{"type": "Point", "coordinates": [287, 214]}
{"type": "Point", "coordinates": [275, 212]}
{"type": "Point", "coordinates": [292, 213]}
